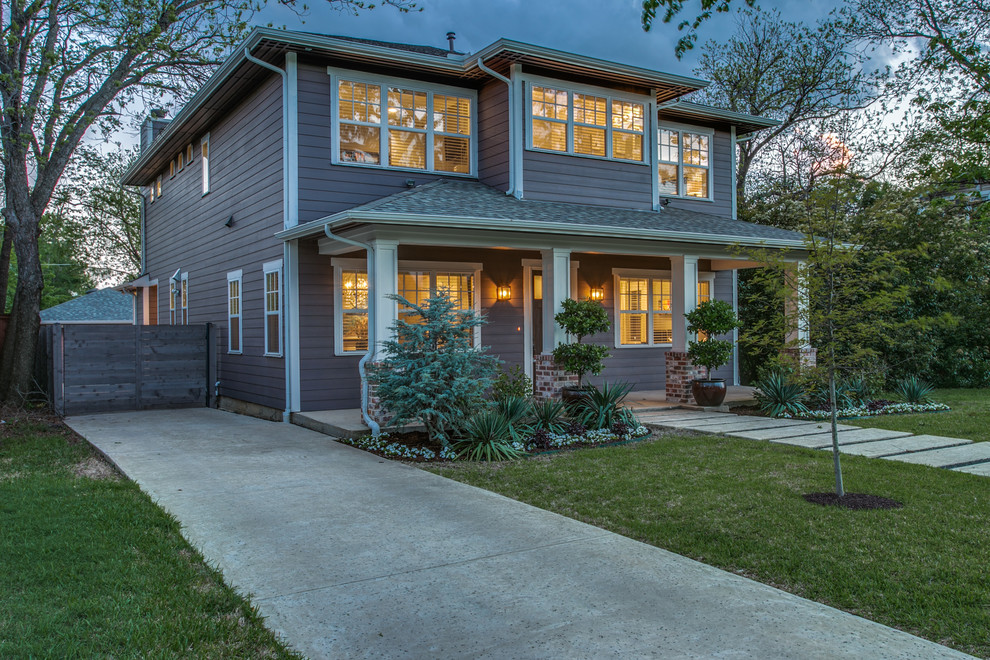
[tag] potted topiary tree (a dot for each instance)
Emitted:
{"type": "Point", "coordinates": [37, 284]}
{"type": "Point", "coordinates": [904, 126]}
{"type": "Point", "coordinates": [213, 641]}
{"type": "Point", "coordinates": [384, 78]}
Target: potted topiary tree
{"type": "Point", "coordinates": [709, 320]}
{"type": "Point", "coordinates": [581, 318]}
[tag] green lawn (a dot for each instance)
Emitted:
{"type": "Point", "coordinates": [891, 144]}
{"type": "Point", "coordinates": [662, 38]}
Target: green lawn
{"type": "Point", "coordinates": [737, 504]}
{"type": "Point", "coordinates": [969, 417]}
{"type": "Point", "coordinates": [90, 567]}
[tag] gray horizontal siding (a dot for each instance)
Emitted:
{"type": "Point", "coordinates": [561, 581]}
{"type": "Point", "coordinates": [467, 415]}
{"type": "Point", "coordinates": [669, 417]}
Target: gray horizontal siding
{"type": "Point", "coordinates": [562, 178]}
{"type": "Point", "coordinates": [493, 135]}
{"type": "Point", "coordinates": [185, 230]}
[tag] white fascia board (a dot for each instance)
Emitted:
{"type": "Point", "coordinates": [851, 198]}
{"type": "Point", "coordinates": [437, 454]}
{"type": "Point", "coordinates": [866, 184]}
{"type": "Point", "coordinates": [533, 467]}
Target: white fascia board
{"type": "Point", "coordinates": [502, 224]}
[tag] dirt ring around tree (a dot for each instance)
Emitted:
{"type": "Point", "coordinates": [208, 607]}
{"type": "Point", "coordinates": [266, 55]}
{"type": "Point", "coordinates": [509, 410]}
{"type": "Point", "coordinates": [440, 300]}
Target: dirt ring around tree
{"type": "Point", "coordinates": [854, 501]}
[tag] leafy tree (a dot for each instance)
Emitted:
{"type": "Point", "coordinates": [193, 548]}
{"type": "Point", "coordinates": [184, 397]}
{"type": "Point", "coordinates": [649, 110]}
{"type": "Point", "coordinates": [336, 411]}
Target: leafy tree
{"type": "Point", "coordinates": [786, 71]}
{"type": "Point", "coordinates": [67, 68]}
{"type": "Point", "coordinates": [671, 8]}
{"type": "Point", "coordinates": [581, 318]}
{"type": "Point", "coordinates": [431, 370]}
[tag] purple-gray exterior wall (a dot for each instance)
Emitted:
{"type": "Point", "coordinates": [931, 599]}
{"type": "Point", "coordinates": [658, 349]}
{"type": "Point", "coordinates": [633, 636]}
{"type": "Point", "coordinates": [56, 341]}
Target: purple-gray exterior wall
{"type": "Point", "coordinates": [185, 230]}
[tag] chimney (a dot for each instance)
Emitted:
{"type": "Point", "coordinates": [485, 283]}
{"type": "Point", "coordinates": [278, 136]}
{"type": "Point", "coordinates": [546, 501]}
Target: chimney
{"type": "Point", "coordinates": [152, 127]}
{"type": "Point", "coordinates": [450, 40]}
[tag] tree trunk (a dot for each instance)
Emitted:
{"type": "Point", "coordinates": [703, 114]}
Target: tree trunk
{"type": "Point", "coordinates": [8, 243]}
{"type": "Point", "coordinates": [836, 465]}
{"type": "Point", "coordinates": [17, 358]}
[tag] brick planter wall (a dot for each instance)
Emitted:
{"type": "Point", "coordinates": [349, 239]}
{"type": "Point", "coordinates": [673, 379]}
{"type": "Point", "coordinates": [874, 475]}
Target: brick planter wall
{"type": "Point", "coordinates": [376, 410]}
{"type": "Point", "coordinates": [548, 380]}
{"type": "Point", "coordinates": [802, 358]}
{"type": "Point", "coordinates": [680, 373]}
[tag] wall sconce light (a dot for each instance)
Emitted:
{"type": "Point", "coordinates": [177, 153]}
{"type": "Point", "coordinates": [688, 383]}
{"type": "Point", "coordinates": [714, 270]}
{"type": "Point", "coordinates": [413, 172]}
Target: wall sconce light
{"type": "Point", "coordinates": [503, 293]}
{"type": "Point", "coordinates": [230, 222]}
{"type": "Point", "coordinates": [598, 294]}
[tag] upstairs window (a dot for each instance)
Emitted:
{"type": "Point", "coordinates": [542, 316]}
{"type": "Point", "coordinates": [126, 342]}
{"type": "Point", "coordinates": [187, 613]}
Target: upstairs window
{"type": "Point", "coordinates": [205, 160]}
{"type": "Point", "coordinates": [407, 126]}
{"type": "Point", "coordinates": [685, 163]}
{"type": "Point", "coordinates": [273, 308]}
{"type": "Point", "coordinates": [586, 124]}
{"type": "Point", "coordinates": [235, 331]}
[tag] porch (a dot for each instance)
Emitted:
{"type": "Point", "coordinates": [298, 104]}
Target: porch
{"type": "Point", "coordinates": [349, 424]}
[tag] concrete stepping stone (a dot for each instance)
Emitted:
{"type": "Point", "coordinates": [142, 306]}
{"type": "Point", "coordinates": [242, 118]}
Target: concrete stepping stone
{"type": "Point", "coordinates": [673, 417]}
{"type": "Point", "coordinates": [882, 448]}
{"type": "Point", "coordinates": [823, 440]}
{"type": "Point", "coordinates": [803, 428]}
{"type": "Point", "coordinates": [976, 452]}
{"type": "Point", "coordinates": [692, 423]}
{"type": "Point", "coordinates": [753, 423]}
{"type": "Point", "coordinates": [982, 469]}
{"type": "Point", "coordinates": [730, 428]}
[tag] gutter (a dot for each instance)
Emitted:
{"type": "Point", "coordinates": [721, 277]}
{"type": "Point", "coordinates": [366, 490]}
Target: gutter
{"type": "Point", "coordinates": [287, 353]}
{"type": "Point", "coordinates": [362, 364]}
{"type": "Point", "coordinates": [508, 224]}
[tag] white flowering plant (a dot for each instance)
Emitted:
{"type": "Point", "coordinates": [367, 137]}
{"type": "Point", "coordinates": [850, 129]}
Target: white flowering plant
{"type": "Point", "coordinates": [862, 411]}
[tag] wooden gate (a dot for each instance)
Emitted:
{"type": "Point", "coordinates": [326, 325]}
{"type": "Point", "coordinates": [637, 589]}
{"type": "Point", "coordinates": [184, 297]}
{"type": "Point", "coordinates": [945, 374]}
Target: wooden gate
{"type": "Point", "coordinates": [101, 368]}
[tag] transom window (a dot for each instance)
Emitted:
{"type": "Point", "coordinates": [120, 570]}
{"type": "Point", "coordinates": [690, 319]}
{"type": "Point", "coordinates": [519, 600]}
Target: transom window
{"type": "Point", "coordinates": [404, 126]}
{"type": "Point", "coordinates": [586, 124]}
{"type": "Point", "coordinates": [685, 163]}
{"type": "Point", "coordinates": [416, 282]}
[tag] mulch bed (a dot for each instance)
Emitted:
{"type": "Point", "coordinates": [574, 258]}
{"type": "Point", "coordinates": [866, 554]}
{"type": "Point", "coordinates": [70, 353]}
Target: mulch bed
{"type": "Point", "coordinates": [854, 501]}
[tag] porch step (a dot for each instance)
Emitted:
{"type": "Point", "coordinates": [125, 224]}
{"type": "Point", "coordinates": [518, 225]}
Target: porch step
{"type": "Point", "coordinates": [346, 423]}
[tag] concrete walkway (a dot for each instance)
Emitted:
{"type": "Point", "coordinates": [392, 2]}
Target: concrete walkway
{"type": "Point", "coordinates": [350, 556]}
{"type": "Point", "coordinates": [953, 453]}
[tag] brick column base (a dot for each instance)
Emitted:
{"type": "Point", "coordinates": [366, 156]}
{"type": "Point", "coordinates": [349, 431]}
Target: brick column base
{"type": "Point", "coordinates": [680, 373]}
{"type": "Point", "coordinates": [801, 358]}
{"type": "Point", "coordinates": [376, 410]}
{"type": "Point", "coordinates": [548, 379]}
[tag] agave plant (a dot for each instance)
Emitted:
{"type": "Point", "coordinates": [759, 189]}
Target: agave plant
{"type": "Point", "coordinates": [857, 389]}
{"type": "Point", "coordinates": [487, 437]}
{"type": "Point", "coordinates": [914, 390]}
{"type": "Point", "coordinates": [601, 408]}
{"type": "Point", "coordinates": [517, 410]}
{"type": "Point", "coordinates": [548, 415]}
{"type": "Point", "coordinates": [778, 396]}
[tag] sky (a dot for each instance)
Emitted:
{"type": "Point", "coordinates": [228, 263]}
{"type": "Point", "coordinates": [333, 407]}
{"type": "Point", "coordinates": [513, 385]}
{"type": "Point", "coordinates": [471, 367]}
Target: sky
{"type": "Point", "coordinates": [606, 29]}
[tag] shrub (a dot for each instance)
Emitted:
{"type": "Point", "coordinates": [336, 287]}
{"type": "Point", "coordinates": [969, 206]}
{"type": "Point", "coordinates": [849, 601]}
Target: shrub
{"type": "Point", "coordinates": [548, 416]}
{"type": "Point", "coordinates": [581, 319]}
{"type": "Point", "coordinates": [512, 382]}
{"type": "Point", "coordinates": [913, 390]}
{"type": "Point", "coordinates": [431, 370]}
{"type": "Point", "coordinates": [857, 389]}
{"type": "Point", "coordinates": [711, 319]}
{"type": "Point", "coordinates": [602, 408]}
{"type": "Point", "coordinates": [487, 437]}
{"type": "Point", "coordinates": [777, 396]}
{"type": "Point", "coordinates": [516, 410]}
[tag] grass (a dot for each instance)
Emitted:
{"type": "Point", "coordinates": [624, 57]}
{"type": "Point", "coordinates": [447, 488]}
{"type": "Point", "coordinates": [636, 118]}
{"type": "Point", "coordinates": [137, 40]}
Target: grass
{"type": "Point", "coordinates": [737, 504]}
{"type": "Point", "coordinates": [969, 417]}
{"type": "Point", "coordinates": [92, 568]}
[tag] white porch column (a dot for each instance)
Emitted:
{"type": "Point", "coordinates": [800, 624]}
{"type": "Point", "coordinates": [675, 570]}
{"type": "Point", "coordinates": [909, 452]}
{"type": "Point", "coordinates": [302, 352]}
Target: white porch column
{"type": "Point", "coordinates": [556, 288]}
{"type": "Point", "coordinates": [684, 297]}
{"type": "Point", "coordinates": [385, 276]}
{"type": "Point", "coordinates": [797, 305]}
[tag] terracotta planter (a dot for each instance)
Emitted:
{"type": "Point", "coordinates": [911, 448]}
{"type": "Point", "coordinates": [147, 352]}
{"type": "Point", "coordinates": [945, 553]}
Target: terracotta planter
{"type": "Point", "coordinates": [709, 393]}
{"type": "Point", "coordinates": [573, 394]}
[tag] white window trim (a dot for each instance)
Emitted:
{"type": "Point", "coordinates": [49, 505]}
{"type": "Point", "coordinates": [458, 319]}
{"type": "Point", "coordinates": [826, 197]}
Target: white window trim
{"type": "Point", "coordinates": [184, 299]}
{"type": "Point", "coordinates": [650, 275]}
{"type": "Point", "coordinates": [384, 82]}
{"type": "Point", "coordinates": [341, 264]}
{"type": "Point", "coordinates": [274, 267]}
{"type": "Point", "coordinates": [205, 162]}
{"type": "Point", "coordinates": [687, 128]}
{"type": "Point", "coordinates": [236, 276]}
{"type": "Point", "coordinates": [591, 90]}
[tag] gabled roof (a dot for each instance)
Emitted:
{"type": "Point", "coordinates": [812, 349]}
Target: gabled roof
{"type": "Point", "coordinates": [100, 306]}
{"type": "Point", "coordinates": [474, 205]}
{"type": "Point", "coordinates": [412, 48]}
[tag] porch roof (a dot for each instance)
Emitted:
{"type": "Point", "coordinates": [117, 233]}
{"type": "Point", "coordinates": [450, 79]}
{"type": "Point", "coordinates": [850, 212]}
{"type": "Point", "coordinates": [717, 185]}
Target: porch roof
{"type": "Point", "coordinates": [469, 204]}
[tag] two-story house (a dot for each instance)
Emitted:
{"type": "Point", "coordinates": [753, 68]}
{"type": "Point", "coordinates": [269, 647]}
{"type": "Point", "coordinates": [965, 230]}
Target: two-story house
{"type": "Point", "coordinates": [312, 176]}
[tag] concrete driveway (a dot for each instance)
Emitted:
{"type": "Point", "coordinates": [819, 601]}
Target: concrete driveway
{"type": "Point", "coordinates": [348, 555]}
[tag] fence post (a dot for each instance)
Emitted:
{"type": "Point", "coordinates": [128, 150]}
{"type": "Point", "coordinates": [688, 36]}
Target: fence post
{"type": "Point", "coordinates": [211, 364]}
{"type": "Point", "coordinates": [58, 370]}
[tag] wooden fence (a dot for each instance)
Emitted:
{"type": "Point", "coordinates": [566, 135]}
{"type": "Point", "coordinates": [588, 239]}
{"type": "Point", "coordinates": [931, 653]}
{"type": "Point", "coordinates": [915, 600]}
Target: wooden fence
{"type": "Point", "coordinates": [101, 368]}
